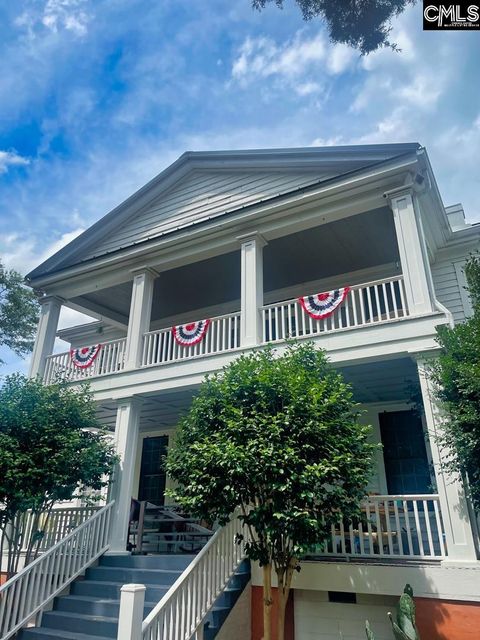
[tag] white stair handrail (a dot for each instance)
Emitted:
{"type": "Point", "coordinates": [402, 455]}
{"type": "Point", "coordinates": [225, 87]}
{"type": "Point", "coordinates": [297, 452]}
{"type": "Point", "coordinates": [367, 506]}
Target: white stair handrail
{"type": "Point", "coordinates": [28, 592]}
{"type": "Point", "coordinates": [182, 609]}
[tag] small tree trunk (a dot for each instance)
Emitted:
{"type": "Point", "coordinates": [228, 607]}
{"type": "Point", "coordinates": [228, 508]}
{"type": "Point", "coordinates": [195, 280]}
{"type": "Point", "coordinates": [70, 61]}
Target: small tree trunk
{"type": "Point", "coordinates": [267, 602]}
{"type": "Point", "coordinates": [284, 584]}
{"type": "Point", "coordinates": [282, 603]}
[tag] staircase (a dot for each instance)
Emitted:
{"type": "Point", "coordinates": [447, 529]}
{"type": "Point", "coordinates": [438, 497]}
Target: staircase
{"type": "Point", "coordinates": [91, 609]}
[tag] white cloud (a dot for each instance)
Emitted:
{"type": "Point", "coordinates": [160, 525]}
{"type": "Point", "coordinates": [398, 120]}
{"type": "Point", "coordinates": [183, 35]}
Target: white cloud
{"type": "Point", "coordinates": [23, 254]}
{"type": "Point", "coordinates": [55, 16]}
{"type": "Point", "coordinates": [11, 159]}
{"type": "Point", "coordinates": [292, 60]}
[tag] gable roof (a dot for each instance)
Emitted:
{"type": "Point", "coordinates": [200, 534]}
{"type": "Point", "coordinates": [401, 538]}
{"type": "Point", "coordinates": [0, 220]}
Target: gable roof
{"type": "Point", "coordinates": [203, 184]}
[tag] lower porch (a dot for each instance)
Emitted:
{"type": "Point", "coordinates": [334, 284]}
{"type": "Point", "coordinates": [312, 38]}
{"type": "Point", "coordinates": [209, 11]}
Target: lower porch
{"type": "Point", "coordinates": [402, 519]}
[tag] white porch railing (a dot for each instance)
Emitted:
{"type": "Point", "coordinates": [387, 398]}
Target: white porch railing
{"type": "Point", "coordinates": [223, 334]}
{"type": "Point", "coordinates": [365, 304]}
{"type": "Point", "coordinates": [59, 524]}
{"type": "Point", "coordinates": [181, 611]}
{"type": "Point", "coordinates": [27, 593]}
{"type": "Point", "coordinates": [110, 359]}
{"type": "Point", "coordinates": [396, 526]}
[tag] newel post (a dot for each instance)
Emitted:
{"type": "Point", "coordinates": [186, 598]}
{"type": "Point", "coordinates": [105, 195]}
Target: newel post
{"type": "Point", "coordinates": [132, 600]}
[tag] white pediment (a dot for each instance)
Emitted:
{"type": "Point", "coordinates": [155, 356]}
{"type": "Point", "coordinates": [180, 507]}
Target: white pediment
{"type": "Point", "coordinates": [200, 195]}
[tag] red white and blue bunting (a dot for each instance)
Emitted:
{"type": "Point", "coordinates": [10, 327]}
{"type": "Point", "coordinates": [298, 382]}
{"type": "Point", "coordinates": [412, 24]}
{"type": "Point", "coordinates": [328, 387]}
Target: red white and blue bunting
{"type": "Point", "coordinates": [322, 305]}
{"type": "Point", "coordinates": [192, 333]}
{"type": "Point", "coordinates": [84, 356]}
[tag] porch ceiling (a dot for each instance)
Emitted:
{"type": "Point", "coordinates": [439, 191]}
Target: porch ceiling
{"type": "Point", "coordinates": [382, 381]}
{"type": "Point", "coordinates": [158, 412]}
{"type": "Point", "coordinates": [376, 382]}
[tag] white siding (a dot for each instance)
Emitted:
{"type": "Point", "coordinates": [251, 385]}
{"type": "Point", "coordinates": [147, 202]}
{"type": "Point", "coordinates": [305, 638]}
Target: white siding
{"type": "Point", "coordinates": [199, 196]}
{"type": "Point", "coordinates": [449, 282]}
{"type": "Point", "coordinates": [318, 619]}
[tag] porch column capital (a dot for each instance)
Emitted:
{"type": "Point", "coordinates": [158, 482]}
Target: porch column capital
{"type": "Point", "coordinates": [252, 236]}
{"type": "Point", "coordinates": [138, 271]}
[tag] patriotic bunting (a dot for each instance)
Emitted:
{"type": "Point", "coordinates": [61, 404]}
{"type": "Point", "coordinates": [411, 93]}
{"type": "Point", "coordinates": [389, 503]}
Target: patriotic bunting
{"type": "Point", "coordinates": [322, 305]}
{"type": "Point", "coordinates": [84, 356]}
{"type": "Point", "coordinates": [189, 334]}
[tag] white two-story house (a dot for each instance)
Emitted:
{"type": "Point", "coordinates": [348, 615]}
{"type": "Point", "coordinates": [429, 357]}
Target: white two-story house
{"type": "Point", "coordinates": [236, 238]}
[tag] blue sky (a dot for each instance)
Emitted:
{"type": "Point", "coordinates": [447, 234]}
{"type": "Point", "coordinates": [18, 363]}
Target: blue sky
{"type": "Point", "coordinates": [98, 97]}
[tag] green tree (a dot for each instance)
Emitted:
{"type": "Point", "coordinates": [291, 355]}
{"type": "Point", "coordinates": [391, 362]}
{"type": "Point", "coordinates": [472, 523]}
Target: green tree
{"type": "Point", "coordinates": [52, 448]}
{"type": "Point", "coordinates": [18, 313]}
{"type": "Point", "coordinates": [457, 376]}
{"type": "Point", "coordinates": [278, 437]}
{"type": "Point", "coordinates": [362, 24]}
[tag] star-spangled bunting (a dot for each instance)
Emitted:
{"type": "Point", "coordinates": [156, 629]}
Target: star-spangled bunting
{"type": "Point", "coordinates": [322, 305]}
{"type": "Point", "coordinates": [83, 357]}
{"type": "Point", "coordinates": [189, 334]}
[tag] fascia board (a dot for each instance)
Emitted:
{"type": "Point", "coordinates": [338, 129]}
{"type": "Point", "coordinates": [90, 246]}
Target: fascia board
{"type": "Point", "coordinates": [341, 189]}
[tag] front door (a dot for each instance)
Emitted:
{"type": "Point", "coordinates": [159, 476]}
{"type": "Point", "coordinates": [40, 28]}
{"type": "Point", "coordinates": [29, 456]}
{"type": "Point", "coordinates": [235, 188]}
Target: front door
{"type": "Point", "coordinates": [152, 470]}
{"type": "Point", "coordinates": [404, 453]}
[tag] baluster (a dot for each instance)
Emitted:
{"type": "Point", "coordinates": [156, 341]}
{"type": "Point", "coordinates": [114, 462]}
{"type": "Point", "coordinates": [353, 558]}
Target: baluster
{"type": "Point", "coordinates": [385, 300]}
{"type": "Point", "coordinates": [360, 537]}
{"type": "Point", "coordinates": [405, 310]}
{"type": "Point", "coordinates": [386, 506]}
{"type": "Point", "coordinates": [393, 297]}
{"type": "Point", "coordinates": [371, 547]}
{"type": "Point", "coordinates": [418, 527]}
{"type": "Point", "coordinates": [379, 529]}
{"type": "Point", "coordinates": [277, 323]}
{"type": "Point", "coordinates": [354, 306]}
{"type": "Point", "coordinates": [398, 526]}
{"type": "Point", "coordinates": [369, 302]}
{"type": "Point", "coordinates": [217, 327]}
{"type": "Point", "coordinates": [289, 318]}
{"type": "Point", "coordinates": [342, 538]}
{"type": "Point", "coordinates": [284, 327]}
{"type": "Point", "coordinates": [347, 309]}
{"type": "Point", "coordinates": [429, 528]}
{"type": "Point", "coordinates": [295, 307]}
{"type": "Point", "coordinates": [361, 298]}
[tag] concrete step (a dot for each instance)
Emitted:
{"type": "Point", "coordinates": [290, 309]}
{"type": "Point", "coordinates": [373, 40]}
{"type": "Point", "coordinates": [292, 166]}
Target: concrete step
{"type": "Point", "coordinates": [128, 575]}
{"type": "Point", "coordinates": [41, 633]}
{"type": "Point", "coordinates": [178, 562]}
{"type": "Point", "coordinates": [90, 625]}
{"type": "Point", "coordinates": [94, 606]}
{"type": "Point", "coordinates": [101, 589]}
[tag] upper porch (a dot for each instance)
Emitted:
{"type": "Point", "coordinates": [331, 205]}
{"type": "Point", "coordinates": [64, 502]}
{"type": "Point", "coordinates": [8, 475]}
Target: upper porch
{"type": "Point", "coordinates": [250, 296]}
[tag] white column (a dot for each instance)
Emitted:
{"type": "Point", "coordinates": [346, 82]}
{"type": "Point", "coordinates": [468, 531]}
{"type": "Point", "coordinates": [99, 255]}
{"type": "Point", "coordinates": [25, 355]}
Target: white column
{"type": "Point", "coordinates": [132, 602]}
{"type": "Point", "coordinates": [453, 503]}
{"type": "Point", "coordinates": [140, 313]}
{"type": "Point", "coordinates": [412, 250]}
{"type": "Point", "coordinates": [251, 289]}
{"type": "Point", "coordinates": [126, 442]}
{"type": "Point", "coordinates": [46, 331]}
